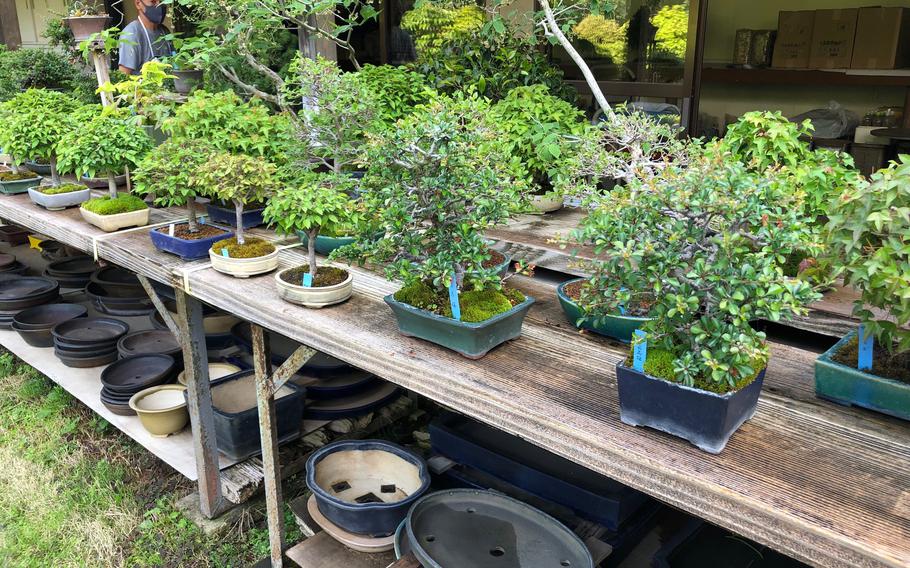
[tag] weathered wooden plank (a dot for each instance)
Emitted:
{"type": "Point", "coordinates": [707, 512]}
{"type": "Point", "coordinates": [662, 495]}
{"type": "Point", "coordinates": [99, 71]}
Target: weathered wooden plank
{"type": "Point", "coordinates": [322, 551]}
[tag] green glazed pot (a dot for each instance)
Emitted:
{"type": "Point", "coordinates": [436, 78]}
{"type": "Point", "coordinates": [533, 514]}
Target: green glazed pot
{"type": "Point", "coordinates": [19, 186]}
{"type": "Point", "coordinates": [324, 244]}
{"type": "Point", "coordinates": [473, 340]}
{"type": "Point", "coordinates": [617, 327]}
{"type": "Point", "coordinates": [851, 387]}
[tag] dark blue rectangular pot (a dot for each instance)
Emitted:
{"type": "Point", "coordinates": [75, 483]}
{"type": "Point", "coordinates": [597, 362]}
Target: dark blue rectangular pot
{"type": "Point", "coordinates": [186, 249]}
{"type": "Point", "coordinates": [225, 216]}
{"type": "Point", "coordinates": [535, 470]}
{"type": "Point", "coordinates": [704, 418]}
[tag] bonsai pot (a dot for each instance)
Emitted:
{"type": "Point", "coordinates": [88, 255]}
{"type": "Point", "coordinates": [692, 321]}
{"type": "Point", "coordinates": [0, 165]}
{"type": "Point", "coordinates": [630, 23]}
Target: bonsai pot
{"type": "Point", "coordinates": [314, 297]}
{"type": "Point", "coordinates": [473, 340]}
{"type": "Point", "coordinates": [186, 80]}
{"type": "Point", "coordinates": [851, 387]}
{"type": "Point", "coordinates": [111, 223]}
{"type": "Point", "coordinates": [84, 26]}
{"type": "Point", "coordinates": [101, 183]}
{"type": "Point", "coordinates": [237, 415]}
{"type": "Point", "coordinates": [161, 409]}
{"type": "Point", "coordinates": [244, 267]}
{"type": "Point", "coordinates": [326, 244]}
{"type": "Point", "coordinates": [546, 204]}
{"type": "Point", "coordinates": [222, 215]}
{"type": "Point", "coordinates": [38, 168]}
{"type": "Point", "coordinates": [187, 249]}
{"type": "Point", "coordinates": [216, 371]}
{"type": "Point", "coordinates": [704, 418]}
{"type": "Point", "coordinates": [366, 487]}
{"type": "Point", "coordinates": [60, 201]}
{"type": "Point", "coordinates": [616, 326]}
{"type": "Point", "coordinates": [19, 186]}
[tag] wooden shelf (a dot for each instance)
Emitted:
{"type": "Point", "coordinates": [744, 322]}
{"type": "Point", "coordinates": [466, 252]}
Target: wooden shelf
{"type": "Point", "coordinates": [807, 77]}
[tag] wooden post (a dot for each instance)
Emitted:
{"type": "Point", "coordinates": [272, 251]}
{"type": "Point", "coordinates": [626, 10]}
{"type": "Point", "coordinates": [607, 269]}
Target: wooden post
{"type": "Point", "coordinates": [9, 24]}
{"type": "Point", "coordinates": [102, 62]}
{"type": "Point", "coordinates": [199, 403]}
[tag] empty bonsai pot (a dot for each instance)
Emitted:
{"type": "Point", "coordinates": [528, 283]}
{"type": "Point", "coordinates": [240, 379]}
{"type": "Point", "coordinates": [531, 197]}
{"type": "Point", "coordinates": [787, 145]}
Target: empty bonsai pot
{"type": "Point", "coordinates": [60, 201]}
{"type": "Point", "coordinates": [473, 340]}
{"type": "Point", "coordinates": [118, 282]}
{"type": "Point", "coordinates": [111, 223]}
{"type": "Point", "coordinates": [187, 249]}
{"type": "Point", "coordinates": [161, 409]}
{"type": "Point", "coordinates": [132, 374]}
{"type": "Point", "coordinates": [849, 386]}
{"type": "Point", "coordinates": [314, 297]}
{"type": "Point", "coordinates": [13, 235]}
{"type": "Point", "coordinates": [244, 267]}
{"type": "Point", "coordinates": [21, 292]}
{"type": "Point", "coordinates": [107, 303]}
{"type": "Point", "coordinates": [34, 325]}
{"type": "Point", "coordinates": [19, 185]}
{"type": "Point", "coordinates": [222, 215]}
{"type": "Point", "coordinates": [237, 415]}
{"type": "Point", "coordinates": [149, 341]}
{"type": "Point", "coordinates": [217, 370]}
{"type": "Point", "coordinates": [704, 418]}
{"type": "Point", "coordinates": [38, 168]}
{"type": "Point", "coordinates": [366, 486]}
{"type": "Point", "coordinates": [34, 337]}
{"type": "Point", "coordinates": [546, 204]}
{"type": "Point", "coordinates": [101, 183]}
{"type": "Point", "coordinates": [91, 331]}
{"type": "Point", "coordinates": [84, 26]}
{"type": "Point", "coordinates": [616, 326]}
{"type": "Point", "coordinates": [186, 80]}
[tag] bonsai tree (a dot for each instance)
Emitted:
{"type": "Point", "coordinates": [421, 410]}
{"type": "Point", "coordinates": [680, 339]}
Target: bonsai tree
{"type": "Point", "coordinates": [104, 146]}
{"type": "Point", "coordinates": [396, 91]}
{"type": "Point", "coordinates": [35, 122]}
{"type": "Point", "coordinates": [143, 94]}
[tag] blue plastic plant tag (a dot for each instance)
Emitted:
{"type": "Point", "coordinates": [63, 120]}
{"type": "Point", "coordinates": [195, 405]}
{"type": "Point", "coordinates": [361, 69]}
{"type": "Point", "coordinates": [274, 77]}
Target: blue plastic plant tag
{"type": "Point", "coordinates": [308, 280]}
{"type": "Point", "coordinates": [202, 220]}
{"type": "Point", "coordinates": [639, 352]}
{"type": "Point", "coordinates": [865, 349]}
{"type": "Point", "coordinates": [622, 308]}
{"type": "Point", "coordinates": [453, 300]}
{"type": "Point", "coordinates": [224, 252]}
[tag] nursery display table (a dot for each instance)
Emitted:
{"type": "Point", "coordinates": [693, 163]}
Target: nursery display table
{"type": "Point", "coordinates": [826, 484]}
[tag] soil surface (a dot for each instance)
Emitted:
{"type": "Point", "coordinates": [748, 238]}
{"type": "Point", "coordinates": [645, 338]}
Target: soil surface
{"type": "Point", "coordinates": [884, 365]}
{"type": "Point", "coordinates": [325, 276]}
{"type": "Point", "coordinates": [496, 258]}
{"type": "Point", "coordinates": [573, 291]}
{"type": "Point", "coordinates": [182, 231]}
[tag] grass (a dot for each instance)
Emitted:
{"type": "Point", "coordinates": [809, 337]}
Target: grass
{"type": "Point", "coordinates": [111, 206]}
{"type": "Point", "coordinates": [74, 491]}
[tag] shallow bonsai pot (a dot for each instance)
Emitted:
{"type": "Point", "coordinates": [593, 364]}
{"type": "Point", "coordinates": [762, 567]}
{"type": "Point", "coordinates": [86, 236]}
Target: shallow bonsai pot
{"type": "Point", "coordinates": [187, 249]}
{"type": "Point", "coordinates": [217, 370]}
{"type": "Point", "coordinates": [60, 201]}
{"type": "Point", "coordinates": [545, 204]}
{"type": "Point", "coordinates": [615, 326]}
{"type": "Point", "coordinates": [20, 185]}
{"type": "Point", "coordinates": [40, 169]}
{"type": "Point", "coordinates": [366, 486]}
{"type": "Point", "coordinates": [101, 183]}
{"type": "Point", "coordinates": [851, 387]}
{"type": "Point", "coordinates": [314, 297]}
{"type": "Point", "coordinates": [34, 337]}
{"type": "Point", "coordinates": [325, 244]}
{"type": "Point", "coordinates": [237, 415]}
{"type": "Point", "coordinates": [84, 26]}
{"type": "Point", "coordinates": [244, 267]}
{"type": "Point", "coordinates": [226, 216]}
{"type": "Point", "coordinates": [111, 223]}
{"type": "Point", "coordinates": [473, 340]}
{"type": "Point", "coordinates": [186, 80]}
{"type": "Point", "coordinates": [704, 418]}
{"type": "Point", "coordinates": [161, 409]}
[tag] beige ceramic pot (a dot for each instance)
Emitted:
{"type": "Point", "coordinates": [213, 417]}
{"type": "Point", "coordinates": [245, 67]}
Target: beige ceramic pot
{"type": "Point", "coordinates": [314, 297]}
{"type": "Point", "coordinates": [161, 409]}
{"type": "Point", "coordinates": [111, 223]}
{"type": "Point", "coordinates": [216, 371]}
{"type": "Point", "coordinates": [244, 267]}
{"type": "Point", "coordinates": [546, 204]}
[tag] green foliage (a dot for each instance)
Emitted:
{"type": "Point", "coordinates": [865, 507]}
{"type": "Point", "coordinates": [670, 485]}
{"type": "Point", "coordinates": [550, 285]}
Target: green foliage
{"type": "Point", "coordinates": [24, 69]}
{"type": "Point", "coordinates": [143, 94]}
{"type": "Point", "coordinates": [171, 173]}
{"type": "Point", "coordinates": [107, 205]}
{"type": "Point", "coordinates": [671, 33]}
{"type": "Point", "coordinates": [868, 234]}
{"type": "Point", "coordinates": [34, 123]}
{"type": "Point", "coordinates": [435, 25]}
{"type": "Point", "coordinates": [396, 91]}
{"type": "Point", "coordinates": [476, 305]}
{"type": "Point", "coordinates": [104, 145]}
{"type": "Point", "coordinates": [702, 243]}
{"type": "Point", "coordinates": [60, 189]}
{"type": "Point", "coordinates": [237, 179]}
{"type": "Point", "coordinates": [607, 35]}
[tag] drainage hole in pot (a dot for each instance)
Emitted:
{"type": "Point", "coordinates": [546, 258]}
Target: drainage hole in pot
{"type": "Point", "coordinates": [472, 510]}
{"type": "Point", "coordinates": [565, 563]}
{"type": "Point", "coordinates": [497, 552]}
{"type": "Point", "coordinates": [390, 488]}
{"type": "Point", "coordinates": [341, 486]}
{"type": "Point", "coordinates": [368, 498]}
{"type": "Point", "coordinates": [430, 538]}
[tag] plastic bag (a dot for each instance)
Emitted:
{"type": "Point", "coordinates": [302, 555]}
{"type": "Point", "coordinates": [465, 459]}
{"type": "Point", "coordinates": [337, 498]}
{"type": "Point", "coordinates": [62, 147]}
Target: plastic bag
{"type": "Point", "coordinates": [832, 122]}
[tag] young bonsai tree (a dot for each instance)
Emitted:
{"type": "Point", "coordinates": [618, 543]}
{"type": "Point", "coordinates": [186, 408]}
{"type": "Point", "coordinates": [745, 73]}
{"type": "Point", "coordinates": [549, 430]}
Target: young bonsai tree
{"type": "Point", "coordinates": [35, 121]}
{"type": "Point", "coordinates": [104, 146]}
{"type": "Point", "coordinates": [396, 90]}
{"type": "Point", "coordinates": [143, 94]}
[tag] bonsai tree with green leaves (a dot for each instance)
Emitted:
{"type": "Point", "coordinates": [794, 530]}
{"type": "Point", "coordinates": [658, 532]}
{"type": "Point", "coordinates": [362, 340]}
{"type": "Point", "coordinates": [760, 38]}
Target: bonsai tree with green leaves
{"type": "Point", "coordinates": [35, 122]}
{"type": "Point", "coordinates": [103, 147]}
{"type": "Point", "coordinates": [143, 94]}
{"type": "Point", "coordinates": [396, 91]}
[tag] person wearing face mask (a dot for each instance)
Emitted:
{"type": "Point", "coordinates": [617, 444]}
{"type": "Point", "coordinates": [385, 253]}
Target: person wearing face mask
{"type": "Point", "coordinates": [142, 39]}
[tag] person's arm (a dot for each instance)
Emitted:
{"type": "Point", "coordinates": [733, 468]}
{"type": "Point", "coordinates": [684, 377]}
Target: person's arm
{"type": "Point", "coordinates": [130, 52]}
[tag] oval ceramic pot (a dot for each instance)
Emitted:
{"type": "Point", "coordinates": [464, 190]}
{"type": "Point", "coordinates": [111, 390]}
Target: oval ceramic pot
{"type": "Point", "coordinates": [226, 216]}
{"type": "Point", "coordinates": [187, 249]}
{"type": "Point", "coordinates": [111, 223]}
{"type": "Point", "coordinates": [217, 370]}
{"type": "Point", "coordinates": [186, 80]}
{"type": "Point", "coordinates": [473, 340]}
{"type": "Point", "coordinates": [84, 26]}
{"type": "Point", "coordinates": [101, 183]}
{"type": "Point", "coordinates": [314, 297]}
{"type": "Point", "coordinates": [366, 486]}
{"type": "Point", "coordinates": [42, 169]}
{"type": "Point", "coordinates": [615, 326]}
{"type": "Point", "coordinates": [19, 186]}
{"type": "Point", "coordinates": [244, 267]}
{"type": "Point", "coordinates": [161, 409]}
{"type": "Point", "coordinates": [545, 204]}
{"type": "Point", "coordinates": [704, 418]}
{"type": "Point", "coordinates": [326, 244]}
{"type": "Point", "coordinates": [60, 201]}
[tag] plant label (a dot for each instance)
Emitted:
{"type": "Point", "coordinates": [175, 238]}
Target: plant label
{"type": "Point", "coordinates": [202, 220]}
{"type": "Point", "coordinates": [224, 252]}
{"type": "Point", "coordinates": [622, 308]}
{"type": "Point", "coordinates": [639, 351]}
{"type": "Point", "coordinates": [308, 280]}
{"type": "Point", "coordinates": [453, 299]}
{"type": "Point", "coordinates": [170, 230]}
{"type": "Point", "coordinates": [865, 349]}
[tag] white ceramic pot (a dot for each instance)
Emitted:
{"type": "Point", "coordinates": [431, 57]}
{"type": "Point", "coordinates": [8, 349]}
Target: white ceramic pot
{"type": "Point", "coordinates": [216, 371]}
{"type": "Point", "coordinates": [161, 409]}
{"type": "Point", "coordinates": [545, 203]}
{"type": "Point", "coordinates": [244, 267]}
{"type": "Point", "coordinates": [315, 297]}
{"type": "Point", "coordinates": [60, 201]}
{"type": "Point", "coordinates": [111, 223]}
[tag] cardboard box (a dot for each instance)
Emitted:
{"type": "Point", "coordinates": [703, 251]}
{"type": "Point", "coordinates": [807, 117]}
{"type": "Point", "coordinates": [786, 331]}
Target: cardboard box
{"type": "Point", "coordinates": [832, 39]}
{"type": "Point", "coordinates": [882, 38]}
{"type": "Point", "coordinates": [794, 39]}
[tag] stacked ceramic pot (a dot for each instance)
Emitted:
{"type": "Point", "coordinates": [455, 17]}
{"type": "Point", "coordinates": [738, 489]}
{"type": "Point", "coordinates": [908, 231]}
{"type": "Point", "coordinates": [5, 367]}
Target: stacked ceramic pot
{"type": "Point", "coordinates": [71, 271]}
{"type": "Point", "coordinates": [34, 325]}
{"type": "Point", "coordinates": [18, 293]}
{"type": "Point", "coordinates": [88, 342]}
{"type": "Point", "coordinates": [132, 375]}
{"type": "Point", "coordinates": [117, 292]}
{"type": "Point", "coordinates": [13, 235]}
{"type": "Point", "coordinates": [217, 326]}
{"type": "Point", "coordinates": [149, 342]}
{"type": "Point", "coordinates": [10, 266]}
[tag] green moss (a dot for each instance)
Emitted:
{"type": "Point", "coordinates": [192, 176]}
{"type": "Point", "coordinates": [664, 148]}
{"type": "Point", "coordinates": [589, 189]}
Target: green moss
{"type": "Point", "coordinates": [65, 188]}
{"type": "Point", "coordinates": [106, 205]}
{"type": "Point", "coordinates": [476, 305]}
{"type": "Point", "coordinates": [659, 364]}
{"type": "Point", "coordinates": [23, 174]}
{"type": "Point", "coordinates": [481, 305]}
{"type": "Point", "coordinates": [514, 296]}
{"type": "Point", "coordinates": [420, 295]}
{"type": "Point", "coordinates": [252, 248]}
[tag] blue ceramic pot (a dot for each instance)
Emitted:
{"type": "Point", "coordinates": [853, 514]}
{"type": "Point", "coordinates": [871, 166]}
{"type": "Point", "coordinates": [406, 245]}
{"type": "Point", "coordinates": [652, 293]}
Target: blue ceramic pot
{"type": "Point", "coordinates": [220, 215]}
{"type": "Point", "coordinates": [187, 249]}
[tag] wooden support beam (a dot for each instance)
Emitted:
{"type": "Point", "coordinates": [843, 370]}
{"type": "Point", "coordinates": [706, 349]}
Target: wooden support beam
{"type": "Point", "coordinates": [9, 24]}
{"type": "Point", "coordinates": [161, 309]}
{"type": "Point", "coordinates": [287, 369]}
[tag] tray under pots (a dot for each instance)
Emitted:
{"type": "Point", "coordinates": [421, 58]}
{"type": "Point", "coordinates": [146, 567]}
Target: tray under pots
{"type": "Point", "coordinates": [366, 487]}
{"type": "Point", "coordinates": [147, 342]}
{"type": "Point", "coordinates": [91, 331]}
{"type": "Point", "coordinates": [133, 374]}
{"type": "Point", "coordinates": [18, 293]}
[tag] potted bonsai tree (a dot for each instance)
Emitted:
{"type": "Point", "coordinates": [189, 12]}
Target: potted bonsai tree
{"type": "Point", "coordinates": [311, 202]}
{"type": "Point", "coordinates": [240, 179]}
{"type": "Point", "coordinates": [171, 174]}
{"type": "Point", "coordinates": [185, 62]}
{"type": "Point", "coordinates": [143, 95]}
{"type": "Point", "coordinates": [85, 18]}
{"type": "Point", "coordinates": [701, 243]}
{"type": "Point", "coordinates": [437, 181]}
{"type": "Point", "coordinates": [867, 234]}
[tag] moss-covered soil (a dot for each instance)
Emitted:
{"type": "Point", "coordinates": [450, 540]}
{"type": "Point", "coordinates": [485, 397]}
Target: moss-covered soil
{"type": "Point", "coordinates": [182, 231]}
{"type": "Point", "coordinates": [476, 305]}
{"type": "Point", "coordinates": [23, 174]}
{"type": "Point", "coordinates": [659, 364]}
{"type": "Point", "coordinates": [636, 309]}
{"type": "Point", "coordinates": [325, 276]}
{"type": "Point", "coordinates": [252, 248]}
{"type": "Point", "coordinates": [106, 205]}
{"type": "Point", "coordinates": [61, 189]}
{"type": "Point", "coordinates": [884, 364]}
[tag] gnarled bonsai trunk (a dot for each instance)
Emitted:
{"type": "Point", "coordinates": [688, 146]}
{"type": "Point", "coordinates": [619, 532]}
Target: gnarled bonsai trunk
{"type": "Point", "coordinates": [55, 175]}
{"type": "Point", "coordinates": [112, 184]}
{"type": "Point", "coordinates": [238, 213]}
{"type": "Point", "coordinates": [191, 214]}
{"type": "Point", "coordinates": [311, 235]}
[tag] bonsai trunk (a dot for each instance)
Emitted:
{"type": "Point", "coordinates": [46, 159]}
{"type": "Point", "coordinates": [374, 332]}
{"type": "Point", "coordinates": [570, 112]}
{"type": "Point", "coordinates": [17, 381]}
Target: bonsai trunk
{"type": "Point", "coordinates": [55, 175]}
{"type": "Point", "coordinates": [311, 249]}
{"type": "Point", "coordinates": [13, 164]}
{"type": "Point", "coordinates": [191, 214]}
{"type": "Point", "coordinates": [112, 184]}
{"type": "Point", "coordinates": [238, 212]}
